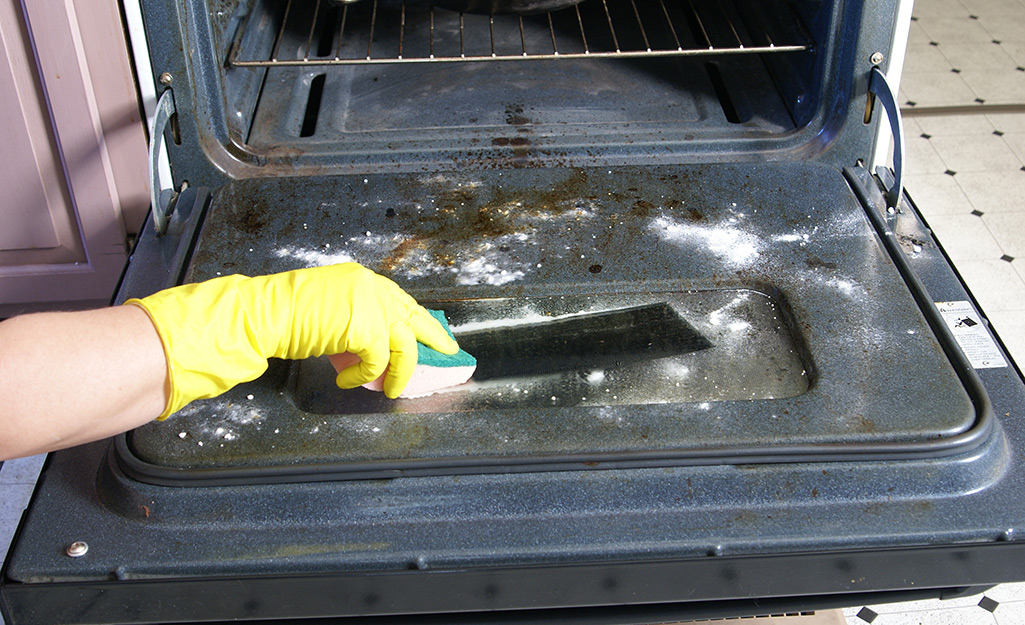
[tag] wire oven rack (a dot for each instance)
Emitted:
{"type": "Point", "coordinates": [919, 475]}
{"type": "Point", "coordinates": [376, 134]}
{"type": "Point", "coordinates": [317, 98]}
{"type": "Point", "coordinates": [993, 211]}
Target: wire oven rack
{"type": "Point", "coordinates": [328, 32]}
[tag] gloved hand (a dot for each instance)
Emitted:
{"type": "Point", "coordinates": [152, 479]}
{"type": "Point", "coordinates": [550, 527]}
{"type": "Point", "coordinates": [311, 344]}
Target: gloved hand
{"type": "Point", "coordinates": [219, 333]}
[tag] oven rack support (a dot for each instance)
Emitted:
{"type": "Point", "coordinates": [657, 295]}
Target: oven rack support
{"type": "Point", "coordinates": [328, 32]}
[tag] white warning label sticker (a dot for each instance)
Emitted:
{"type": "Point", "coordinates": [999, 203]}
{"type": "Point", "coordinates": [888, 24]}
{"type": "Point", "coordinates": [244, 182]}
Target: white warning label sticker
{"type": "Point", "coordinates": [971, 334]}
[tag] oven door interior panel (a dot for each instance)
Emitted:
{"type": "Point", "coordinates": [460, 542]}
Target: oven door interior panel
{"type": "Point", "coordinates": [818, 349]}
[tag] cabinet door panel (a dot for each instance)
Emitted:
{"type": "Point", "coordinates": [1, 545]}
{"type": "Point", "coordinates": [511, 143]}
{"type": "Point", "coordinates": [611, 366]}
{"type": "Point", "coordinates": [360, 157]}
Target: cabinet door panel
{"type": "Point", "coordinates": [34, 206]}
{"type": "Point", "coordinates": [72, 154]}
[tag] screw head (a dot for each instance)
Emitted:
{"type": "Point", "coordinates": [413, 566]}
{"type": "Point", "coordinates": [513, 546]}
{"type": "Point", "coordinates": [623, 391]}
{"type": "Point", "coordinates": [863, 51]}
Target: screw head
{"type": "Point", "coordinates": [166, 79]}
{"type": "Point", "coordinates": [877, 58]}
{"type": "Point", "coordinates": [77, 549]}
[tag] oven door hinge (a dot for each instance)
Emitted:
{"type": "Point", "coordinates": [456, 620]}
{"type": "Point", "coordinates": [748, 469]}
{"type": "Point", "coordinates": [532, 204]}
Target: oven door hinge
{"type": "Point", "coordinates": [161, 197]}
{"type": "Point", "coordinates": [879, 89]}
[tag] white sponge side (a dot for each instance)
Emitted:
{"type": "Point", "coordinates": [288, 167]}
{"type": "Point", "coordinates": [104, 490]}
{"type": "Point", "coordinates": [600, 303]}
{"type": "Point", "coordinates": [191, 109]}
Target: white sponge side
{"type": "Point", "coordinates": [426, 380]}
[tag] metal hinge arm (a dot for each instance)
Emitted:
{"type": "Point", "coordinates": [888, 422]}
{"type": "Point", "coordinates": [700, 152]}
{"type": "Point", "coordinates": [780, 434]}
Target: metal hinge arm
{"type": "Point", "coordinates": [880, 88]}
{"type": "Point", "coordinates": [160, 197]}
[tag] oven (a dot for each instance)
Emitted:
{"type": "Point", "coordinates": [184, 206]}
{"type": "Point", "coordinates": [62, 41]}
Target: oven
{"type": "Point", "coordinates": [851, 433]}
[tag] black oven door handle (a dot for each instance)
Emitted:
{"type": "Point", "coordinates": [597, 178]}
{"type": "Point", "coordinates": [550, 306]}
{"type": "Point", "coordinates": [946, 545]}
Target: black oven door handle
{"type": "Point", "coordinates": [880, 88]}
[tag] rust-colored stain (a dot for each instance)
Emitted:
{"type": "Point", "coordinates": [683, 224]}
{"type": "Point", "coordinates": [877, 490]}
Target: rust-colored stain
{"type": "Point", "coordinates": [864, 424]}
{"type": "Point", "coordinates": [394, 260]}
{"type": "Point", "coordinates": [468, 215]}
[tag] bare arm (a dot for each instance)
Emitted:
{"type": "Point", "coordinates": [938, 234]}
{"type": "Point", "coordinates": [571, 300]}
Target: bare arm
{"type": "Point", "coordinates": [71, 378]}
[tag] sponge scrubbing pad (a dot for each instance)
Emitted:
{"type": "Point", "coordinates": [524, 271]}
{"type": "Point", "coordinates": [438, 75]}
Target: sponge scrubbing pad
{"type": "Point", "coordinates": [434, 371]}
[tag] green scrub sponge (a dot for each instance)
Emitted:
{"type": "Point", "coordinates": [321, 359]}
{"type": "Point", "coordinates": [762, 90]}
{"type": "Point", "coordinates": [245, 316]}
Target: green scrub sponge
{"type": "Point", "coordinates": [433, 358]}
{"type": "Point", "coordinates": [434, 371]}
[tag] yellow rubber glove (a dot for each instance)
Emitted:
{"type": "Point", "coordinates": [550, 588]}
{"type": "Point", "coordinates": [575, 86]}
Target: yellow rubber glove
{"type": "Point", "coordinates": [219, 333]}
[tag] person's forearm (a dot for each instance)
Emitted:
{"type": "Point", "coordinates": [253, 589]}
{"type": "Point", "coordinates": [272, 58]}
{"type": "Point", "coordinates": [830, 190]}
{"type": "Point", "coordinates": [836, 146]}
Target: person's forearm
{"type": "Point", "coordinates": [71, 378]}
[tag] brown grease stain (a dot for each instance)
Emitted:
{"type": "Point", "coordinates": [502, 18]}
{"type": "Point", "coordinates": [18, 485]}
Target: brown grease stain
{"type": "Point", "coordinates": [485, 213]}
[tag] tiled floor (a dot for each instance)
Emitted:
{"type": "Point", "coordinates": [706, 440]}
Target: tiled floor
{"type": "Point", "coordinates": [963, 93]}
{"type": "Point", "coordinates": [966, 171]}
{"type": "Point", "coordinates": [1001, 605]}
{"type": "Point", "coordinates": [965, 52]}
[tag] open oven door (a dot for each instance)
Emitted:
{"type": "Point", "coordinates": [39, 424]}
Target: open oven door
{"type": "Point", "coordinates": [835, 441]}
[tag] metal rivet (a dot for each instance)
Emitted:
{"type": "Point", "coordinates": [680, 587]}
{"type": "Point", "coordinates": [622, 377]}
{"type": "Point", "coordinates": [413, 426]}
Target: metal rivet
{"type": "Point", "coordinates": [166, 79]}
{"type": "Point", "coordinates": [877, 58]}
{"type": "Point", "coordinates": [77, 549]}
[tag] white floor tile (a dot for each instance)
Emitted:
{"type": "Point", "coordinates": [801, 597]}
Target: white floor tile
{"type": "Point", "coordinates": [1009, 26]}
{"type": "Point", "coordinates": [13, 499]}
{"type": "Point", "coordinates": [927, 605]}
{"type": "Point", "coordinates": [940, 8]}
{"type": "Point", "coordinates": [937, 89]}
{"type": "Point", "coordinates": [1016, 141]}
{"type": "Point", "coordinates": [925, 57]}
{"type": "Point", "coordinates": [922, 157]}
{"type": "Point", "coordinates": [917, 35]}
{"type": "Point", "coordinates": [937, 194]}
{"type": "Point", "coordinates": [945, 30]}
{"type": "Point", "coordinates": [1009, 231]}
{"type": "Point", "coordinates": [978, 152]}
{"type": "Point", "coordinates": [1007, 122]}
{"type": "Point", "coordinates": [1016, 50]}
{"type": "Point", "coordinates": [851, 615]}
{"type": "Point", "coordinates": [984, 8]}
{"type": "Point", "coordinates": [996, 87]}
{"type": "Point", "coordinates": [947, 125]}
{"type": "Point", "coordinates": [977, 56]}
{"type": "Point", "coordinates": [994, 191]}
{"type": "Point", "coordinates": [911, 127]}
{"type": "Point", "coordinates": [1005, 593]}
{"type": "Point", "coordinates": [955, 616]}
{"type": "Point", "coordinates": [1013, 614]}
{"type": "Point", "coordinates": [966, 237]}
{"type": "Point", "coordinates": [936, 612]}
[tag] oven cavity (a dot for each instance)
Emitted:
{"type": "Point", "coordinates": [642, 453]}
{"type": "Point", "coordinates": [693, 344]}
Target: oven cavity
{"type": "Point", "coordinates": [394, 82]}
